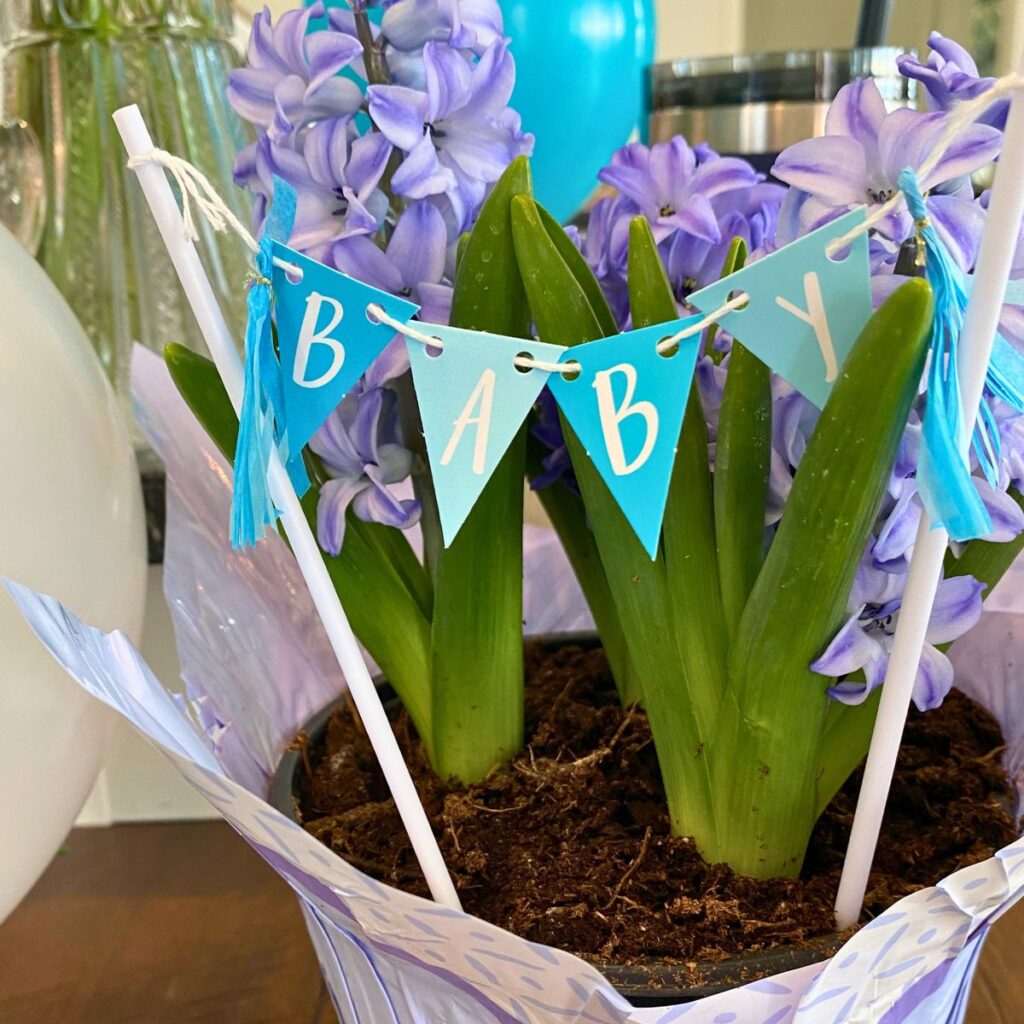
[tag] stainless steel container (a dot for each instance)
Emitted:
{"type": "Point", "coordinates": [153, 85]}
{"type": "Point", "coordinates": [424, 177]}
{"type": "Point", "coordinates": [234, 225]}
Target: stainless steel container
{"type": "Point", "coordinates": [756, 105]}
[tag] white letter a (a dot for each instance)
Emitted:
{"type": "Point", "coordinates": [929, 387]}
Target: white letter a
{"type": "Point", "coordinates": [483, 394]}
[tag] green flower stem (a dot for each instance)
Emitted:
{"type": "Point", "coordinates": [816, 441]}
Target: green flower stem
{"type": "Point", "coordinates": [688, 534]}
{"type": "Point", "coordinates": [477, 632]}
{"type": "Point", "coordinates": [742, 462]}
{"type": "Point", "coordinates": [563, 314]}
{"type": "Point", "coordinates": [766, 753]}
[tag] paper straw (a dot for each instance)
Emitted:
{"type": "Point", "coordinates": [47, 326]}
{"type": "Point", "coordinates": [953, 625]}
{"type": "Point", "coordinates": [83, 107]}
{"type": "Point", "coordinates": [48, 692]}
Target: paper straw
{"type": "Point", "coordinates": [153, 180]}
{"type": "Point", "coordinates": [981, 322]}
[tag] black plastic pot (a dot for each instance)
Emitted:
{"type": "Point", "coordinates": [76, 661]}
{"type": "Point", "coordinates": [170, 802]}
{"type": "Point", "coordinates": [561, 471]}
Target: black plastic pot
{"type": "Point", "coordinates": [651, 983]}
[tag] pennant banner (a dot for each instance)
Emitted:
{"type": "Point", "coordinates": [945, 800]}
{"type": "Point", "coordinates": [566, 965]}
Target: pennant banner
{"type": "Point", "coordinates": [325, 338]}
{"type": "Point", "coordinates": [473, 399]}
{"type": "Point", "coordinates": [627, 406]}
{"type": "Point", "coordinates": [805, 310]}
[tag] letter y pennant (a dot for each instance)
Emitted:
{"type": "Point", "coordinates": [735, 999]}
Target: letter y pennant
{"type": "Point", "coordinates": [473, 400]}
{"type": "Point", "coordinates": [325, 339]}
{"type": "Point", "coordinates": [627, 407]}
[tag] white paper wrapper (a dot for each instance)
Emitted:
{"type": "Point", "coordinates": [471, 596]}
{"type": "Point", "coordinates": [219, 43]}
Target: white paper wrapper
{"type": "Point", "coordinates": [257, 665]}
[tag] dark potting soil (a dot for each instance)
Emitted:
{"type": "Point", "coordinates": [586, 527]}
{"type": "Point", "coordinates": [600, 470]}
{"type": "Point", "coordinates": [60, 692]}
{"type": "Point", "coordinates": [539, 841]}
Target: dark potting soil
{"type": "Point", "coordinates": [571, 846]}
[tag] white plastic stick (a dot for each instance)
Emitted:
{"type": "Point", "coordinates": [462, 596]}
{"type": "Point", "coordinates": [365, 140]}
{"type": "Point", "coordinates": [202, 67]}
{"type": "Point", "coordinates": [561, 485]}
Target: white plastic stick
{"type": "Point", "coordinates": [152, 178]}
{"type": "Point", "coordinates": [998, 244]}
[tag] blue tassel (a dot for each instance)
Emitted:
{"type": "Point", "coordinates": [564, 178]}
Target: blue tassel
{"type": "Point", "coordinates": [251, 507]}
{"type": "Point", "coordinates": [944, 476]}
{"type": "Point", "coordinates": [262, 421]}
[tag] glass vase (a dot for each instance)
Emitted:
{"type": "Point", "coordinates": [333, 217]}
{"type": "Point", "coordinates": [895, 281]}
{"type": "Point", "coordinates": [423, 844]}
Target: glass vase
{"type": "Point", "coordinates": [67, 66]}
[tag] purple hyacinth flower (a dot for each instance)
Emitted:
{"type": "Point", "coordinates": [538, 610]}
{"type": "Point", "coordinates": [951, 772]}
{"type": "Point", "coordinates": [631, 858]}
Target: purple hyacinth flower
{"type": "Point", "coordinates": [292, 77]}
{"type": "Point", "coordinates": [464, 24]}
{"type": "Point", "coordinates": [860, 157]}
{"type": "Point", "coordinates": [672, 190]}
{"type": "Point", "coordinates": [413, 265]}
{"type": "Point", "coordinates": [360, 448]}
{"type": "Point", "coordinates": [950, 76]}
{"type": "Point", "coordinates": [865, 641]}
{"type": "Point", "coordinates": [458, 133]}
{"type": "Point", "coordinates": [335, 173]}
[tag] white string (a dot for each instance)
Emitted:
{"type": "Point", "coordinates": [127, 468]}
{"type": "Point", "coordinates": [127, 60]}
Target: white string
{"type": "Point", "coordinates": [195, 188]}
{"type": "Point", "coordinates": [527, 362]}
{"type": "Point", "coordinates": [964, 114]}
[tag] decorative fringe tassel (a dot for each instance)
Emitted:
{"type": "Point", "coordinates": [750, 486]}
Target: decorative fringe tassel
{"type": "Point", "coordinates": [252, 509]}
{"type": "Point", "coordinates": [944, 475]}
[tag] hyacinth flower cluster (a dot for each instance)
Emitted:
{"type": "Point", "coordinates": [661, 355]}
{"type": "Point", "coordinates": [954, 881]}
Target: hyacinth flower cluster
{"type": "Point", "coordinates": [758, 637]}
{"type": "Point", "coordinates": [698, 202]}
{"type": "Point", "coordinates": [391, 135]}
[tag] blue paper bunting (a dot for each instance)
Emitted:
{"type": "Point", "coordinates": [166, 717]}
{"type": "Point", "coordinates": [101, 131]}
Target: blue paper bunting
{"type": "Point", "coordinates": [473, 400]}
{"type": "Point", "coordinates": [326, 339]}
{"type": "Point", "coordinates": [627, 406]}
{"type": "Point", "coordinates": [805, 309]}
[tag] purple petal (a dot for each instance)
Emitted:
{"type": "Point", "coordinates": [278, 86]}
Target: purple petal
{"type": "Point", "coordinates": [671, 166]}
{"type": "Point", "coordinates": [326, 151]}
{"type": "Point", "coordinates": [417, 248]}
{"type": "Point", "coordinates": [493, 79]}
{"type": "Point", "coordinates": [391, 363]}
{"type": "Point", "coordinates": [854, 692]}
{"type": "Point", "coordinates": [378, 505]}
{"type": "Point", "coordinates": [832, 168]}
{"type": "Point", "coordinates": [360, 257]}
{"type": "Point", "coordinates": [934, 679]}
{"type": "Point", "coordinates": [394, 464]}
{"type": "Point", "coordinates": [328, 53]}
{"type": "Point", "coordinates": [449, 79]}
{"type": "Point", "coordinates": [857, 112]}
{"type": "Point", "coordinates": [367, 162]}
{"type": "Point", "coordinates": [959, 223]}
{"type": "Point", "coordinates": [251, 95]}
{"type": "Point", "coordinates": [726, 174]}
{"type": "Point", "coordinates": [850, 649]}
{"type": "Point", "coordinates": [421, 174]}
{"type": "Point", "coordinates": [435, 303]}
{"type": "Point", "coordinates": [900, 529]}
{"type": "Point", "coordinates": [697, 217]}
{"type": "Point", "coordinates": [957, 608]}
{"type": "Point", "coordinates": [399, 113]}
{"type": "Point", "coordinates": [335, 498]}
{"type": "Point", "coordinates": [407, 26]}
{"type": "Point", "coordinates": [1007, 516]}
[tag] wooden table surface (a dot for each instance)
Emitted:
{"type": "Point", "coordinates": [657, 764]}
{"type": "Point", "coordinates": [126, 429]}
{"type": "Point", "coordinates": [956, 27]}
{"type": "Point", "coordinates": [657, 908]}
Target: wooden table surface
{"type": "Point", "coordinates": [184, 924]}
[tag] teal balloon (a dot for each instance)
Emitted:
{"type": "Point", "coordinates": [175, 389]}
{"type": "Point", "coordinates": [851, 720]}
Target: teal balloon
{"type": "Point", "coordinates": [580, 87]}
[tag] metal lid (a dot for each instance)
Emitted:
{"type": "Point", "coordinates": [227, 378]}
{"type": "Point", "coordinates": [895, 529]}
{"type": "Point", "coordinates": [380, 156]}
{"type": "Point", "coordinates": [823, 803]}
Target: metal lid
{"type": "Point", "coordinates": [800, 75]}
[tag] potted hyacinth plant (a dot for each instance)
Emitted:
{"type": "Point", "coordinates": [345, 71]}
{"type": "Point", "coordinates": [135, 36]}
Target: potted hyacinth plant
{"type": "Point", "coordinates": [748, 654]}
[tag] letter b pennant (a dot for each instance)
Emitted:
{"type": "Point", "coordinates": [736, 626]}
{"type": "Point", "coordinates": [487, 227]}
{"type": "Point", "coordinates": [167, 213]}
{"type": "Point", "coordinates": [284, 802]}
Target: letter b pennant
{"type": "Point", "coordinates": [627, 407]}
{"type": "Point", "coordinates": [325, 339]}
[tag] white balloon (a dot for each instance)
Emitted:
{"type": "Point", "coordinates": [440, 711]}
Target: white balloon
{"type": "Point", "coordinates": [71, 525]}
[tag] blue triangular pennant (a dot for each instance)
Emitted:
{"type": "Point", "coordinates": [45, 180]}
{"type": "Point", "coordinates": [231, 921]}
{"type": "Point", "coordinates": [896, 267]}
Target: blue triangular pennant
{"type": "Point", "coordinates": [326, 339]}
{"type": "Point", "coordinates": [805, 309]}
{"type": "Point", "coordinates": [627, 407]}
{"type": "Point", "coordinates": [473, 400]}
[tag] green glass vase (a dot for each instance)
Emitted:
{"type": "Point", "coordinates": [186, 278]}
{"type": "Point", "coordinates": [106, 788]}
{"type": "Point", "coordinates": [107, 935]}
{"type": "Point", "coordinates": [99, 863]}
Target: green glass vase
{"type": "Point", "coordinates": [67, 66]}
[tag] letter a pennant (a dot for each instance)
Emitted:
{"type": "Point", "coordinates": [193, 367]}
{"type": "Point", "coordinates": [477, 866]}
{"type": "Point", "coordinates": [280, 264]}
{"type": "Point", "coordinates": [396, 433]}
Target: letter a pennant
{"type": "Point", "coordinates": [473, 400]}
{"type": "Point", "coordinates": [805, 309]}
{"type": "Point", "coordinates": [627, 407]}
{"type": "Point", "coordinates": [325, 339]}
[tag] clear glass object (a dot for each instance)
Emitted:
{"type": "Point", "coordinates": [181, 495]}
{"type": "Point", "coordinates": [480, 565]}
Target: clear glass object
{"type": "Point", "coordinates": [67, 65]}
